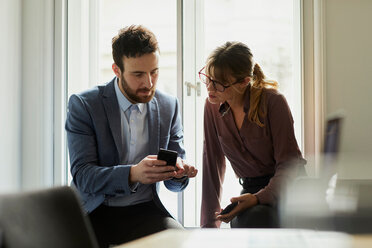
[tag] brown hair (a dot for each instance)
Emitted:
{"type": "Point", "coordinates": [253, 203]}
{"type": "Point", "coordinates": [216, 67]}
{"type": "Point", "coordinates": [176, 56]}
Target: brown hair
{"type": "Point", "coordinates": [236, 59]}
{"type": "Point", "coordinates": [133, 41]}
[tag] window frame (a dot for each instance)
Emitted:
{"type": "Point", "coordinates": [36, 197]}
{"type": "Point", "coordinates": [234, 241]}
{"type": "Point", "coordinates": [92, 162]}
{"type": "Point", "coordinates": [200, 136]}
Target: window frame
{"type": "Point", "coordinates": [312, 77]}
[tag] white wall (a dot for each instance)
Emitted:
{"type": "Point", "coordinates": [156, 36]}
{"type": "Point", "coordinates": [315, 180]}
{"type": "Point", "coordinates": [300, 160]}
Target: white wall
{"type": "Point", "coordinates": [37, 93]}
{"type": "Point", "coordinates": [348, 80]}
{"type": "Point", "coordinates": [26, 96]}
{"type": "Point", "coordinates": [10, 95]}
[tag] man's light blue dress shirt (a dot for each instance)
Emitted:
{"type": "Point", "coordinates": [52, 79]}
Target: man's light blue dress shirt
{"type": "Point", "coordinates": [135, 140]}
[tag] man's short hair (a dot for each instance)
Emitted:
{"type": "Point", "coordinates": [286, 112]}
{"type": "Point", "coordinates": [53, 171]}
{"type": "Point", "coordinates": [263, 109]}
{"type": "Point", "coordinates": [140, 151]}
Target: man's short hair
{"type": "Point", "coordinates": [133, 41]}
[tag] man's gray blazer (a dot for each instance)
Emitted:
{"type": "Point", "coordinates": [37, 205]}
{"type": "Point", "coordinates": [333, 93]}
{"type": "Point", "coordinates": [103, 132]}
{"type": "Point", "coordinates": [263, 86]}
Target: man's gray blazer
{"type": "Point", "coordinates": [94, 142]}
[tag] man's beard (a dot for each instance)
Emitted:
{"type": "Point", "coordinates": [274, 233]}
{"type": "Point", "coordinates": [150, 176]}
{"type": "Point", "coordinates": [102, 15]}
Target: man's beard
{"type": "Point", "coordinates": [132, 95]}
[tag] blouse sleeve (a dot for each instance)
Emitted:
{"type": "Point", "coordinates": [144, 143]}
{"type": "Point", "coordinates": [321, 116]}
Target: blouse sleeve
{"type": "Point", "coordinates": [287, 155]}
{"type": "Point", "coordinates": [214, 167]}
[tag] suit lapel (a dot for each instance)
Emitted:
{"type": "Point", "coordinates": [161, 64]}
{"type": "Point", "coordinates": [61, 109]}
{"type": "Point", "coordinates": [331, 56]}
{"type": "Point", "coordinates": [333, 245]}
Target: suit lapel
{"type": "Point", "coordinates": [154, 125]}
{"type": "Point", "coordinates": [112, 109]}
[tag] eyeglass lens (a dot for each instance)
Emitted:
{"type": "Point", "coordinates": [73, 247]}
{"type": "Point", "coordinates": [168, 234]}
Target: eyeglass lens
{"type": "Point", "coordinates": [216, 85]}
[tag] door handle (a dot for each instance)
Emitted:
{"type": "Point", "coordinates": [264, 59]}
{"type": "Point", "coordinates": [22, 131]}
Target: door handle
{"type": "Point", "coordinates": [193, 86]}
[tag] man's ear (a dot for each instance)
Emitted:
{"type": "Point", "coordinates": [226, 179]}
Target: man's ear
{"type": "Point", "coordinates": [116, 70]}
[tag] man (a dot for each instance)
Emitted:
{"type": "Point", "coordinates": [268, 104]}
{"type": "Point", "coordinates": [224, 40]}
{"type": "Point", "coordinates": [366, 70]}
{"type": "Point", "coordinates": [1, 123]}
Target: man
{"type": "Point", "coordinates": [111, 131]}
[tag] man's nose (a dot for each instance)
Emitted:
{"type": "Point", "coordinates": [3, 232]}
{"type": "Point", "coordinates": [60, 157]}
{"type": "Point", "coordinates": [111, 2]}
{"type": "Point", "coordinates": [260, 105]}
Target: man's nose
{"type": "Point", "coordinates": [148, 81]}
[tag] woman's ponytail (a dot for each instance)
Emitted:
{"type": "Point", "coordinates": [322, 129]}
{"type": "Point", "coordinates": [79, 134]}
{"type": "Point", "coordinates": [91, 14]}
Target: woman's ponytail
{"type": "Point", "coordinates": [257, 108]}
{"type": "Point", "coordinates": [258, 76]}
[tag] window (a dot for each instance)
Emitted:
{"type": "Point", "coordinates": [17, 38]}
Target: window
{"type": "Point", "coordinates": [92, 24]}
{"type": "Point", "coordinates": [274, 38]}
{"type": "Point", "coordinates": [270, 28]}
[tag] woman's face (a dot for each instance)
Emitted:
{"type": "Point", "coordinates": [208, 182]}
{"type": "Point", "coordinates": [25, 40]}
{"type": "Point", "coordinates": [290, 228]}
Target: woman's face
{"type": "Point", "coordinates": [216, 96]}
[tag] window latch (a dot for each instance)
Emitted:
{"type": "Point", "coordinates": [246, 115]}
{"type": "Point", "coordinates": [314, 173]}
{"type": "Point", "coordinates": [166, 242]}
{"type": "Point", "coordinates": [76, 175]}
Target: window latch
{"type": "Point", "coordinates": [190, 86]}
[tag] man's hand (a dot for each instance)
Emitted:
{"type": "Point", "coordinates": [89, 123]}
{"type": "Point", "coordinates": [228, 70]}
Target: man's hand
{"type": "Point", "coordinates": [244, 201]}
{"type": "Point", "coordinates": [150, 170]}
{"type": "Point", "coordinates": [184, 169]}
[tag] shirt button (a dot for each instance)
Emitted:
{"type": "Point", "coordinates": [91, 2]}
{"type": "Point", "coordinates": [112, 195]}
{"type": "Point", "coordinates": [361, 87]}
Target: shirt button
{"type": "Point", "coordinates": [132, 142]}
{"type": "Point", "coordinates": [131, 120]}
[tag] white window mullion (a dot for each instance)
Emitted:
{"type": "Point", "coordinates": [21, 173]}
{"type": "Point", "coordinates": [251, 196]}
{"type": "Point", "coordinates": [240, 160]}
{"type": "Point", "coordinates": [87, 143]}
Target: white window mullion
{"type": "Point", "coordinates": [60, 93]}
{"type": "Point", "coordinates": [297, 69]}
{"type": "Point", "coordinates": [313, 114]}
{"type": "Point", "coordinates": [180, 197]}
{"type": "Point", "coordinates": [199, 101]}
{"type": "Point", "coordinates": [189, 103]}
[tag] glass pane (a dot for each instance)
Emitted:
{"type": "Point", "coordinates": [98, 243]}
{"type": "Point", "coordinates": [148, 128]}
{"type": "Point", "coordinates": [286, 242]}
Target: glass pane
{"type": "Point", "coordinates": [91, 26]}
{"type": "Point", "coordinates": [268, 28]}
{"type": "Point", "coordinates": [161, 20]}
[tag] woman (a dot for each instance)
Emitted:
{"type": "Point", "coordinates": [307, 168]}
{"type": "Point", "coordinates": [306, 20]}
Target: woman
{"type": "Point", "coordinates": [249, 122]}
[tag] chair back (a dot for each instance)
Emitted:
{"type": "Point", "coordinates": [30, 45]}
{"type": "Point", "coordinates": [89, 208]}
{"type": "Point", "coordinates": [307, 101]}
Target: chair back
{"type": "Point", "coordinates": [46, 218]}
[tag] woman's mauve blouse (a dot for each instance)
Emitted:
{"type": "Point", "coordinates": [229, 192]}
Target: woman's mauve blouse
{"type": "Point", "coordinates": [253, 151]}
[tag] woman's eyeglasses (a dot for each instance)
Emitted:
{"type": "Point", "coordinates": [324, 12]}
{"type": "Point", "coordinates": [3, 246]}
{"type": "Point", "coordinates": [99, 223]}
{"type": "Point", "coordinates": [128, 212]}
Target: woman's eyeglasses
{"type": "Point", "coordinates": [216, 85]}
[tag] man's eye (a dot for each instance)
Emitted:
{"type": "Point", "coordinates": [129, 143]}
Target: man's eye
{"type": "Point", "coordinates": [154, 72]}
{"type": "Point", "coordinates": [138, 75]}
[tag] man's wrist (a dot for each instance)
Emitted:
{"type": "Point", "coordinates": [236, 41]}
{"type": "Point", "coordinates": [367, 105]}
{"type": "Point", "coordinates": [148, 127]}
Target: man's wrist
{"type": "Point", "coordinates": [132, 179]}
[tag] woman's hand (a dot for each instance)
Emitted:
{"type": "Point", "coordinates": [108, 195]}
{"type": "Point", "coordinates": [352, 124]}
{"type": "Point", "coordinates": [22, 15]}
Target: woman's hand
{"type": "Point", "coordinates": [184, 169]}
{"type": "Point", "coordinates": [245, 201]}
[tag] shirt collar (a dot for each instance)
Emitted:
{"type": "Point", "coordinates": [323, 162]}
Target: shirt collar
{"type": "Point", "coordinates": [224, 108]}
{"type": "Point", "coordinates": [141, 107]}
{"type": "Point", "coordinates": [123, 101]}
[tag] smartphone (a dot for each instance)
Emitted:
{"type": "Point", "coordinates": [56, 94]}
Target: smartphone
{"type": "Point", "coordinates": [228, 208]}
{"type": "Point", "coordinates": [168, 155]}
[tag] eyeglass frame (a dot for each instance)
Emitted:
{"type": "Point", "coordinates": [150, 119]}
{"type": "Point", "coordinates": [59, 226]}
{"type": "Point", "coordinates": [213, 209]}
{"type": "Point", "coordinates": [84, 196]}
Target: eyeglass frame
{"type": "Point", "coordinates": [214, 82]}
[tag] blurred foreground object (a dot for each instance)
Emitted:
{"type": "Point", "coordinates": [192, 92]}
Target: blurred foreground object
{"type": "Point", "coordinates": [329, 202]}
{"type": "Point", "coordinates": [45, 218]}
